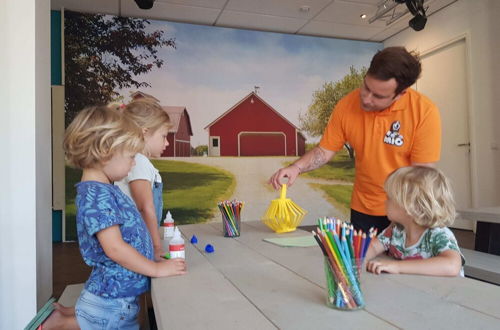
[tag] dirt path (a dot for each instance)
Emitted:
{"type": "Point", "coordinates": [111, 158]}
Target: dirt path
{"type": "Point", "coordinates": [251, 175]}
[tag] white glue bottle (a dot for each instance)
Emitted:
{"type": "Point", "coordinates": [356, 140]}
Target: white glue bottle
{"type": "Point", "coordinates": [168, 226]}
{"type": "Point", "coordinates": [176, 246]}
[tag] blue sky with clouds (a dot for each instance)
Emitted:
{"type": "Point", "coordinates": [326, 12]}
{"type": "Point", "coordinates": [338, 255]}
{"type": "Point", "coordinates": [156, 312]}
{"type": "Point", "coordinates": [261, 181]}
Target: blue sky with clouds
{"type": "Point", "coordinates": [213, 68]}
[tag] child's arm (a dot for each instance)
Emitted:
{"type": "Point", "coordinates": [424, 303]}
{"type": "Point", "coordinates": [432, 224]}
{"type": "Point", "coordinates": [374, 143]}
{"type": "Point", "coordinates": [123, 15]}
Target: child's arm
{"type": "Point", "coordinates": [447, 263]}
{"type": "Point", "coordinates": [125, 255]}
{"type": "Point", "coordinates": [143, 197]}
{"type": "Point", "coordinates": [376, 248]}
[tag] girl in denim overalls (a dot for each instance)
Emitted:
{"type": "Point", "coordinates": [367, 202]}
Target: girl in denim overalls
{"type": "Point", "coordinates": [143, 184]}
{"type": "Point", "coordinates": [113, 239]}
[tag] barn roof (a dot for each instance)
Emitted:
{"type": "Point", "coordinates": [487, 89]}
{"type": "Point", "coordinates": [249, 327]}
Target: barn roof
{"type": "Point", "coordinates": [241, 101]}
{"type": "Point", "coordinates": [175, 114]}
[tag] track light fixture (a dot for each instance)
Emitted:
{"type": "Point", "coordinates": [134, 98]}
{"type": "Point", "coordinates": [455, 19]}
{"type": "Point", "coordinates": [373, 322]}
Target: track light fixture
{"type": "Point", "coordinates": [390, 11]}
{"type": "Point", "coordinates": [145, 4]}
{"type": "Point", "coordinates": [416, 8]}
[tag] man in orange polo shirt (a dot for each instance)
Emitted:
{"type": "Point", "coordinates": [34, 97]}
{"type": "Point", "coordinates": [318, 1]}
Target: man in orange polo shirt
{"type": "Point", "coordinates": [388, 124]}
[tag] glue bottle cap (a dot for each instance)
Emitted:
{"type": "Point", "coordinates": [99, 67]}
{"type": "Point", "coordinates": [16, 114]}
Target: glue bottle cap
{"type": "Point", "coordinates": [168, 216]}
{"type": "Point", "coordinates": [209, 248]}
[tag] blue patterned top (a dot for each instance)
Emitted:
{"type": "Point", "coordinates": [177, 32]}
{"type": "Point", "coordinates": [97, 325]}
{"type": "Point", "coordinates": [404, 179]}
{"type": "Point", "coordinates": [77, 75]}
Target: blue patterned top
{"type": "Point", "coordinates": [99, 206]}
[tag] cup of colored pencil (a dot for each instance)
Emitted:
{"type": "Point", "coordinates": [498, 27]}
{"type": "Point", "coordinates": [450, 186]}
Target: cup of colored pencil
{"type": "Point", "coordinates": [344, 250]}
{"type": "Point", "coordinates": [231, 217]}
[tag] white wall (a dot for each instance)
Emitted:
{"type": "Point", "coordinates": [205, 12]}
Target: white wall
{"type": "Point", "coordinates": [477, 20]}
{"type": "Point", "coordinates": [25, 176]}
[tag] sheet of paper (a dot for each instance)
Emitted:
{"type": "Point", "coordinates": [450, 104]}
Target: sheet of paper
{"type": "Point", "coordinates": [297, 241]}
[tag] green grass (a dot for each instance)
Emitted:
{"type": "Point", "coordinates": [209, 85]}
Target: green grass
{"type": "Point", "coordinates": [190, 192]}
{"type": "Point", "coordinates": [339, 195]}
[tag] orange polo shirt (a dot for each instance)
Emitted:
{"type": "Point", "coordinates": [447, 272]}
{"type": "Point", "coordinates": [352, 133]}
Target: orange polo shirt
{"type": "Point", "coordinates": [407, 132]}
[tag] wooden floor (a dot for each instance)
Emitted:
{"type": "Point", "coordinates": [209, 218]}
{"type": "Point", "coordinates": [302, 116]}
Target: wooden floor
{"type": "Point", "coordinates": [69, 268]}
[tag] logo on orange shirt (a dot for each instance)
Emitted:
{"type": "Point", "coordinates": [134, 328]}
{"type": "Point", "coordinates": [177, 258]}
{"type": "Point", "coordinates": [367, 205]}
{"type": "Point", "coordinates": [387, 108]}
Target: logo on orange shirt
{"type": "Point", "coordinates": [392, 136]}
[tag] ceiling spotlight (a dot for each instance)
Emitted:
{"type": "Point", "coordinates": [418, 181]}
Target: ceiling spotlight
{"type": "Point", "coordinates": [363, 16]}
{"type": "Point", "coordinates": [145, 4]}
{"type": "Point", "coordinates": [416, 8]}
{"type": "Point", "coordinates": [417, 23]}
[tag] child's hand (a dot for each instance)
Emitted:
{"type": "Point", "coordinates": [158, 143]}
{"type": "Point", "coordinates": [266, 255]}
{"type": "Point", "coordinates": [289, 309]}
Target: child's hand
{"type": "Point", "coordinates": [170, 267]}
{"type": "Point", "coordinates": [378, 266]}
{"type": "Point", "coordinates": [159, 253]}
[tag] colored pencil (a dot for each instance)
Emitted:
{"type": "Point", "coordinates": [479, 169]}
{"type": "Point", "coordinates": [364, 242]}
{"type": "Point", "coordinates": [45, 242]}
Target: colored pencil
{"type": "Point", "coordinates": [343, 248]}
{"type": "Point", "coordinates": [231, 217]}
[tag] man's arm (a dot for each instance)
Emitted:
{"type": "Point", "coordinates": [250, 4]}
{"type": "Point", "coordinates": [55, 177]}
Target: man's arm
{"type": "Point", "coordinates": [311, 160]}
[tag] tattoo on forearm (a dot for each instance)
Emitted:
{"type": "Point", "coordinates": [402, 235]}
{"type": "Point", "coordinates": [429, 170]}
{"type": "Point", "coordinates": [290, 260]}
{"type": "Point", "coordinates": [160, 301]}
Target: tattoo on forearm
{"type": "Point", "coordinates": [318, 159]}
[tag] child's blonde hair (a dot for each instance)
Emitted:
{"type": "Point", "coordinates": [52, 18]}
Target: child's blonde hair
{"type": "Point", "coordinates": [424, 193]}
{"type": "Point", "coordinates": [97, 133]}
{"type": "Point", "coordinates": [147, 114]}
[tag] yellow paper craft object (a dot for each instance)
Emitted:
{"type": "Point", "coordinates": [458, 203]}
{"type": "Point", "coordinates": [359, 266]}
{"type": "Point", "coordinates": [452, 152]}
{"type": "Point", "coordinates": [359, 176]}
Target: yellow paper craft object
{"type": "Point", "coordinates": [283, 215]}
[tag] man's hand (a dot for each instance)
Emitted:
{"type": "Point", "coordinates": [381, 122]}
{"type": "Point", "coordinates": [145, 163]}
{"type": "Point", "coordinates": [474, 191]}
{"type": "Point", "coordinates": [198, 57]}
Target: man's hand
{"type": "Point", "coordinates": [311, 160]}
{"type": "Point", "coordinates": [291, 172]}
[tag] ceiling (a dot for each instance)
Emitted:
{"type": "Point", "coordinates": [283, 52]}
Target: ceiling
{"type": "Point", "coordinates": [325, 18]}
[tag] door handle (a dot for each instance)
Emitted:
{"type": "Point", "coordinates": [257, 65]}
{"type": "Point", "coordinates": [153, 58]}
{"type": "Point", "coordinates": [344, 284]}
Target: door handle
{"type": "Point", "coordinates": [464, 144]}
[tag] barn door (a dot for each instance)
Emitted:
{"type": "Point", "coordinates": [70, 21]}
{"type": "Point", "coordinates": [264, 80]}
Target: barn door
{"type": "Point", "coordinates": [214, 148]}
{"type": "Point", "coordinates": [444, 81]}
{"type": "Point", "coordinates": [261, 144]}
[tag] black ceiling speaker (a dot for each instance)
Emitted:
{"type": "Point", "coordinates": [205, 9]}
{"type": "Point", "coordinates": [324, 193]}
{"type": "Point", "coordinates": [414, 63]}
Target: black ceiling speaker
{"type": "Point", "coordinates": [145, 4]}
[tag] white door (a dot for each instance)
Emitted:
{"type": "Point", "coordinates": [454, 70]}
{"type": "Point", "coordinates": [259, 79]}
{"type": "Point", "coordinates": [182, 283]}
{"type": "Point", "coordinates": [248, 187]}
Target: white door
{"type": "Point", "coordinates": [214, 147]}
{"type": "Point", "coordinates": [444, 81]}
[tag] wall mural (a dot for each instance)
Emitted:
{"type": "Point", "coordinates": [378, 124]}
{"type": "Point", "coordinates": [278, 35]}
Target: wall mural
{"type": "Point", "coordinates": [243, 104]}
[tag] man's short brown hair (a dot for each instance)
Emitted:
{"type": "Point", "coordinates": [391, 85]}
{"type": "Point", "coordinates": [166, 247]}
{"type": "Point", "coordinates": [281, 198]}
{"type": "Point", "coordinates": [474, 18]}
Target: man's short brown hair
{"type": "Point", "coordinates": [397, 63]}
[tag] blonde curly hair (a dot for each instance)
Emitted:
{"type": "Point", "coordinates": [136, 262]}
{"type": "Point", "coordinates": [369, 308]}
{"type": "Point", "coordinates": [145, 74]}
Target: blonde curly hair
{"type": "Point", "coordinates": [424, 193]}
{"type": "Point", "coordinates": [96, 134]}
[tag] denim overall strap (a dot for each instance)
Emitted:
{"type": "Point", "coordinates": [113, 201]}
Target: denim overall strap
{"type": "Point", "coordinates": [158, 200]}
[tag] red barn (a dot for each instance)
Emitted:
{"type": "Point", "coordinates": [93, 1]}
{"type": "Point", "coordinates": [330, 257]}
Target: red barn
{"type": "Point", "coordinates": [253, 128]}
{"type": "Point", "coordinates": [179, 135]}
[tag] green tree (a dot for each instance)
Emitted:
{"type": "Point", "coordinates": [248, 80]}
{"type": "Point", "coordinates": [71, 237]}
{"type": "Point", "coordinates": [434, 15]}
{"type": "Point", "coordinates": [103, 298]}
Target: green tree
{"type": "Point", "coordinates": [106, 53]}
{"type": "Point", "coordinates": [200, 150]}
{"type": "Point", "coordinates": [324, 101]}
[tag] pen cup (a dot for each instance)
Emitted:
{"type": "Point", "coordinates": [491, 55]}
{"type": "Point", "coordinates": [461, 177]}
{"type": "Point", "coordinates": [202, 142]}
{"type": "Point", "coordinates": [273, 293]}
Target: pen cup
{"type": "Point", "coordinates": [231, 227]}
{"type": "Point", "coordinates": [231, 217]}
{"type": "Point", "coordinates": [343, 287]}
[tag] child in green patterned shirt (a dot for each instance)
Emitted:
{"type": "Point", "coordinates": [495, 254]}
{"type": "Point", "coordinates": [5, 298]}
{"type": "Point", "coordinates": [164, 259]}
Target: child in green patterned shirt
{"type": "Point", "coordinates": [420, 205]}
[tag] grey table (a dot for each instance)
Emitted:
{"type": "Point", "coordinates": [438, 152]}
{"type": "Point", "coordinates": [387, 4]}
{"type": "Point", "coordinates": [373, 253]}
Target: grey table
{"type": "Point", "coordinates": [251, 284]}
{"type": "Point", "coordinates": [487, 228]}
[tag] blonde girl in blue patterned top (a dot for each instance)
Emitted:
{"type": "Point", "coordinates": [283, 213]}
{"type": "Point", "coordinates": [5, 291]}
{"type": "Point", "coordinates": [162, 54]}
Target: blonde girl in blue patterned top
{"type": "Point", "coordinates": [112, 236]}
{"type": "Point", "coordinates": [420, 205]}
